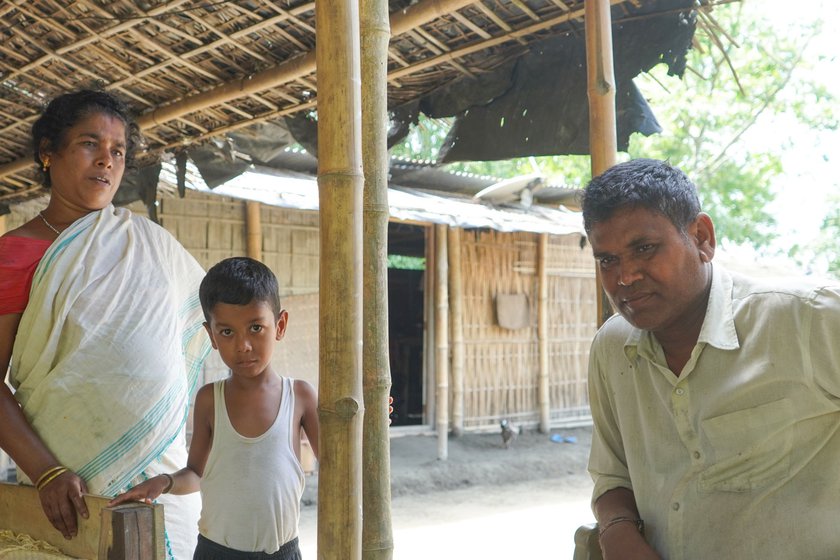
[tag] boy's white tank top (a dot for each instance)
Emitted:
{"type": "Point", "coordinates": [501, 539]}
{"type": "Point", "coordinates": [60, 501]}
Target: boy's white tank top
{"type": "Point", "coordinates": [251, 487]}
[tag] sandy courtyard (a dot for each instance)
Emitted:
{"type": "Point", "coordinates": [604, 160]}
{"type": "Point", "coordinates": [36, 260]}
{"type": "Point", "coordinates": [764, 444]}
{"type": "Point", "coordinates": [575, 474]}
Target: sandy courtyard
{"type": "Point", "coordinates": [484, 501]}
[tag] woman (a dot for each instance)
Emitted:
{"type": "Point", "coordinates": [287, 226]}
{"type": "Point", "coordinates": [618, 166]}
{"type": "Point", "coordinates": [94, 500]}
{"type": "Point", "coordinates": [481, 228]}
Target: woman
{"type": "Point", "coordinates": [99, 317]}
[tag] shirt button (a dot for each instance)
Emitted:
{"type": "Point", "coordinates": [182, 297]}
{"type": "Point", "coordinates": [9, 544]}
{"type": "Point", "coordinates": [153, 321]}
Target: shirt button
{"type": "Point", "coordinates": [680, 391]}
{"type": "Point", "coordinates": [675, 506]}
{"type": "Point", "coordinates": [696, 454]}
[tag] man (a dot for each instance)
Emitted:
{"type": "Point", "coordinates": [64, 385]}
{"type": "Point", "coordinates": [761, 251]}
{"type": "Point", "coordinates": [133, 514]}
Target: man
{"type": "Point", "coordinates": [715, 399]}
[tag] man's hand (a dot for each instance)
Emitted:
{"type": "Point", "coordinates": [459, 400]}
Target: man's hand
{"type": "Point", "coordinates": [619, 534]}
{"type": "Point", "coordinates": [62, 500]}
{"type": "Point", "coordinates": [623, 541]}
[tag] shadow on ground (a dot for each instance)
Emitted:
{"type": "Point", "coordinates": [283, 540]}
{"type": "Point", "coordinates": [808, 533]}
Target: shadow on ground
{"type": "Point", "coordinates": [481, 459]}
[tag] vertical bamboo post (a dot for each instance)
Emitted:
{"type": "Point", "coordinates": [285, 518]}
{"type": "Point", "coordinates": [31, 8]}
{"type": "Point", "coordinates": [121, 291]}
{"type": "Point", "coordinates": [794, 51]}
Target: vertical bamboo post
{"type": "Point", "coordinates": [253, 229]}
{"type": "Point", "coordinates": [544, 396]}
{"type": "Point", "coordinates": [340, 184]}
{"type": "Point", "coordinates": [456, 304]}
{"type": "Point", "coordinates": [2, 224]}
{"type": "Point", "coordinates": [441, 341]}
{"type": "Point", "coordinates": [377, 537]}
{"type": "Point", "coordinates": [429, 279]}
{"type": "Point", "coordinates": [603, 144]}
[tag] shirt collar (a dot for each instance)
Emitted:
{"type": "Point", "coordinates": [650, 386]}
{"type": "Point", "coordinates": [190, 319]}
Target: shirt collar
{"type": "Point", "coordinates": [718, 328]}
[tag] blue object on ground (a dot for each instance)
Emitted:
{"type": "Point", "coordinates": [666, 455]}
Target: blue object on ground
{"type": "Point", "coordinates": [557, 438]}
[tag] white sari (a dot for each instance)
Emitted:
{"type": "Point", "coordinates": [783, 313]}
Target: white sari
{"type": "Point", "coordinates": [107, 352]}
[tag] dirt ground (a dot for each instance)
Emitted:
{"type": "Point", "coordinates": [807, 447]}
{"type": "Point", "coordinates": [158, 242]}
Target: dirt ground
{"type": "Point", "coordinates": [481, 459]}
{"type": "Point", "coordinates": [484, 501]}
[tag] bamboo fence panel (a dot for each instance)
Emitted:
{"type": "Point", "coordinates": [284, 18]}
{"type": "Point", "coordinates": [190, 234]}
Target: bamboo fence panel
{"type": "Point", "coordinates": [572, 305]}
{"type": "Point", "coordinates": [501, 366]}
{"type": "Point", "coordinates": [501, 377]}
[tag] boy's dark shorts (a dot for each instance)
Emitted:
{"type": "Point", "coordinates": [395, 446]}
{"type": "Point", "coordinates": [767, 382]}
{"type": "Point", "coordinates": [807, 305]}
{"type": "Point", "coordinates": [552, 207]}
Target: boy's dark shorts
{"type": "Point", "coordinates": [209, 550]}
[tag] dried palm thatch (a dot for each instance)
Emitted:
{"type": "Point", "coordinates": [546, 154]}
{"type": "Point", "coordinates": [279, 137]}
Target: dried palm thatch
{"type": "Point", "coordinates": [195, 69]}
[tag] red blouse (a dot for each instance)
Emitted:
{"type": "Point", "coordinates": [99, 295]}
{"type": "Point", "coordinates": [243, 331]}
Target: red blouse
{"type": "Point", "coordinates": [19, 256]}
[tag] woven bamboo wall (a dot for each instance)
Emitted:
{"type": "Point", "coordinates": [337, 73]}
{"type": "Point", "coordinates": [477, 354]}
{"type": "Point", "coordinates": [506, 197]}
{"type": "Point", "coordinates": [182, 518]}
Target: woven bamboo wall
{"type": "Point", "coordinates": [571, 325]}
{"type": "Point", "coordinates": [502, 365]}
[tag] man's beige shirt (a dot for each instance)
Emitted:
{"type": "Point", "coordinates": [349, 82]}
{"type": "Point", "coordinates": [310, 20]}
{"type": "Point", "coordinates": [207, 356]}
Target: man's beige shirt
{"type": "Point", "coordinates": [739, 456]}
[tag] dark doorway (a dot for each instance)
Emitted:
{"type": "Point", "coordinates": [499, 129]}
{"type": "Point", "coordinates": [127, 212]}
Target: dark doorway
{"type": "Point", "coordinates": [406, 277]}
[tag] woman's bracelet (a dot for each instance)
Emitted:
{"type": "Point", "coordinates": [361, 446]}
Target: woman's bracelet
{"type": "Point", "coordinates": [640, 525]}
{"type": "Point", "coordinates": [168, 484]}
{"type": "Point", "coordinates": [49, 476]}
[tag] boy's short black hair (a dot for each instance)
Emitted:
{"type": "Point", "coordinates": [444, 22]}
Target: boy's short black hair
{"type": "Point", "coordinates": [641, 183]}
{"type": "Point", "coordinates": [239, 281]}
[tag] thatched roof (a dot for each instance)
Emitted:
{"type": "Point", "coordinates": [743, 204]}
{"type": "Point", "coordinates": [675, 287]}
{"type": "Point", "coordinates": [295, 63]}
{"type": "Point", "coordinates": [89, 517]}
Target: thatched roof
{"type": "Point", "coordinates": [197, 70]}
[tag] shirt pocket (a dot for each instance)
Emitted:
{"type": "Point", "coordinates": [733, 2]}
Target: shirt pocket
{"type": "Point", "coordinates": [751, 447]}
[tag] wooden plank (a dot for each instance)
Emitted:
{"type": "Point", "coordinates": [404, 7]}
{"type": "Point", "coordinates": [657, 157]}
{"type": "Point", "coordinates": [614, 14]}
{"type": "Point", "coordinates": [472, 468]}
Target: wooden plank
{"type": "Point", "coordinates": [125, 531]}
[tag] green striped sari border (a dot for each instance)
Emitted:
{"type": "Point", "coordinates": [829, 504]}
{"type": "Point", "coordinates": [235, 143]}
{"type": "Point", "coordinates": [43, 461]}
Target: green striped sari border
{"type": "Point", "coordinates": [130, 438]}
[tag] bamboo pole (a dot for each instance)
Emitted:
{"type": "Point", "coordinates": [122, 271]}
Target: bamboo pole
{"type": "Point", "coordinates": [603, 144]}
{"type": "Point", "coordinates": [377, 533]}
{"type": "Point", "coordinates": [441, 341]}
{"type": "Point", "coordinates": [429, 279]}
{"type": "Point", "coordinates": [253, 229]}
{"type": "Point", "coordinates": [544, 395]}
{"type": "Point", "coordinates": [340, 184]}
{"type": "Point", "coordinates": [456, 302]}
{"type": "Point", "coordinates": [2, 224]}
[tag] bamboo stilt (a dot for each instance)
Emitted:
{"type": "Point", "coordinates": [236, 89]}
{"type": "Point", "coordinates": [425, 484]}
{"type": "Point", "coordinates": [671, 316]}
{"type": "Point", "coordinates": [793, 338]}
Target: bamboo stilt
{"type": "Point", "coordinates": [253, 230]}
{"type": "Point", "coordinates": [441, 341]}
{"type": "Point", "coordinates": [429, 336]}
{"type": "Point", "coordinates": [340, 182]}
{"type": "Point", "coordinates": [377, 536]}
{"type": "Point", "coordinates": [456, 302]}
{"type": "Point", "coordinates": [543, 389]}
{"type": "Point", "coordinates": [603, 144]}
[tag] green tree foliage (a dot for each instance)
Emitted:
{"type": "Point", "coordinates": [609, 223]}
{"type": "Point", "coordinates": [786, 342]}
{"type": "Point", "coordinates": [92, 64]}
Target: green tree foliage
{"type": "Point", "coordinates": [743, 71]}
{"type": "Point", "coordinates": [425, 139]}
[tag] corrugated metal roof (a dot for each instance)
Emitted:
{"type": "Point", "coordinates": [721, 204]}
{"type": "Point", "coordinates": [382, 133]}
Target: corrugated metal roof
{"type": "Point", "coordinates": [406, 204]}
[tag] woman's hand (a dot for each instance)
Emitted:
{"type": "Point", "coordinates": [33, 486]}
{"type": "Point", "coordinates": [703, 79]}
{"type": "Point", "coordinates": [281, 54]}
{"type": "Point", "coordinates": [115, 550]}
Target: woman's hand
{"type": "Point", "coordinates": [62, 499]}
{"type": "Point", "coordinates": [146, 491]}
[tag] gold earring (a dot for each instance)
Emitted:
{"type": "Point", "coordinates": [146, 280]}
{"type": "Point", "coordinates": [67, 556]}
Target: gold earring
{"type": "Point", "coordinates": [45, 164]}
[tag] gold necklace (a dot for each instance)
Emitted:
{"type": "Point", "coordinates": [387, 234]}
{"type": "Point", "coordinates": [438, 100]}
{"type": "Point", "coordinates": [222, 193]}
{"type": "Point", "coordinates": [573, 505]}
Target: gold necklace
{"type": "Point", "coordinates": [49, 225]}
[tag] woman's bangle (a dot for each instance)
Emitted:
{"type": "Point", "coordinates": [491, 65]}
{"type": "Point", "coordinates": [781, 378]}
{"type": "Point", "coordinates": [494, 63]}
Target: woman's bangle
{"type": "Point", "coordinates": [640, 525]}
{"type": "Point", "coordinates": [169, 484]}
{"type": "Point", "coordinates": [49, 476]}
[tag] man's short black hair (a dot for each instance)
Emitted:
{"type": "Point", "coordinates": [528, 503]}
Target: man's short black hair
{"type": "Point", "coordinates": [641, 183]}
{"type": "Point", "coordinates": [239, 281]}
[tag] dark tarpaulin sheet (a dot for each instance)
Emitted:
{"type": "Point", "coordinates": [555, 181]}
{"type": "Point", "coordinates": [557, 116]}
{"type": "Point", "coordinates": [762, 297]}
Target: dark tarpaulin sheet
{"type": "Point", "coordinates": [535, 104]}
{"type": "Point", "coordinates": [538, 104]}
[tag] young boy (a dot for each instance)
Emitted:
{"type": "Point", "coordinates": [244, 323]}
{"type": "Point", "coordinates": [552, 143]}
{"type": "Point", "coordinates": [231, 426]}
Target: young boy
{"type": "Point", "coordinates": [245, 449]}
